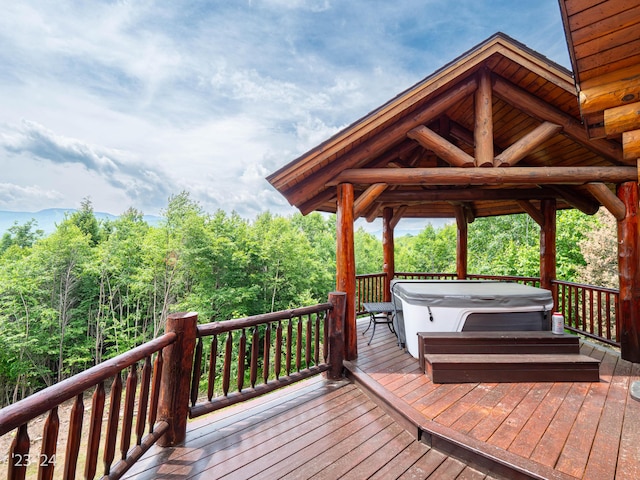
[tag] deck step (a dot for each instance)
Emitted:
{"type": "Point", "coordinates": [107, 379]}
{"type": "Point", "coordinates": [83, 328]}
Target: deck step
{"type": "Point", "coordinates": [495, 342]}
{"type": "Point", "coordinates": [465, 368]}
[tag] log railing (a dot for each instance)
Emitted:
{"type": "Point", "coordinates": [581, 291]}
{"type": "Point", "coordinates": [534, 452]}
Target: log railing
{"type": "Point", "coordinates": [141, 387]}
{"type": "Point", "coordinates": [152, 404]}
{"type": "Point", "coordinates": [240, 359]}
{"type": "Point", "coordinates": [588, 310]}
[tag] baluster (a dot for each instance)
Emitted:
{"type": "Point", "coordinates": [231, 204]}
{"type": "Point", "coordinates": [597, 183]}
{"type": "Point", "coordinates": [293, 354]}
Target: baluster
{"type": "Point", "coordinates": [325, 336]}
{"type": "Point", "coordinates": [73, 440]}
{"type": "Point", "coordinates": [299, 345]}
{"type": "Point", "coordinates": [242, 351]}
{"type": "Point", "coordinates": [155, 390]}
{"type": "Point", "coordinates": [95, 429]}
{"type": "Point", "coordinates": [112, 423]}
{"type": "Point", "coordinates": [19, 454]}
{"type": "Point", "coordinates": [591, 324]}
{"type": "Point", "coordinates": [197, 372]}
{"type": "Point", "coordinates": [309, 339]}
{"type": "Point", "coordinates": [255, 346]}
{"type": "Point", "coordinates": [316, 339]}
{"type": "Point", "coordinates": [212, 367]}
{"type": "Point", "coordinates": [266, 353]}
{"type": "Point", "coordinates": [47, 460]}
{"type": "Point", "coordinates": [289, 344]}
{"type": "Point", "coordinates": [608, 317]}
{"type": "Point", "coordinates": [129, 404]}
{"type": "Point", "coordinates": [226, 374]}
{"type": "Point", "coordinates": [278, 355]}
{"type": "Point", "coordinates": [143, 400]}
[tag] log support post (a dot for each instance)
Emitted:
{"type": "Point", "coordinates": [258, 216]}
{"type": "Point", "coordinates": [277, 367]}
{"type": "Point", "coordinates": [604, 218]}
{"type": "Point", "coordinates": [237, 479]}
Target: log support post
{"type": "Point", "coordinates": [629, 272]}
{"type": "Point", "coordinates": [338, 301]}
{"type": "Point", "coordinates": [461, 242]}
{"type": "Point", "coordinates": [173, 404]}
{"type": "Point", "coordinates": [548, 247]}
{"type": "Point", "coordinates": [346, 266]}
{"type": "Point", "coordinates": [388, 266]}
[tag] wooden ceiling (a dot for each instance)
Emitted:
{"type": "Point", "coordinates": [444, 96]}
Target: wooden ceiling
{"type": "Point", "coordinates": [495, 131]}
{"type": "Point", "coordinates": [604, 45]}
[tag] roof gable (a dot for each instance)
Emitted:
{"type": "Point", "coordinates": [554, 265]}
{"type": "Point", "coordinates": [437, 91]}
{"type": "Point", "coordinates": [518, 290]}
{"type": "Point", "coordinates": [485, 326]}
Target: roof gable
{"type": "Point", "coordinates": [530, 112]}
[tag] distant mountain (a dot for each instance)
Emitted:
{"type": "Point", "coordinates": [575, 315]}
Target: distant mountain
{"type": "Point", "coordinates": [49, 218]}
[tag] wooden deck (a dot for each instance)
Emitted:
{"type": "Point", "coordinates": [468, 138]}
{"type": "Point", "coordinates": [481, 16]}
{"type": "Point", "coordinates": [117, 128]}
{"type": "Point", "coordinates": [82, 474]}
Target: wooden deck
{"type": "Point", "coordinates": [544, 430]}
{"type": "Point", "coordinates": [314, 429]}
{"type": "Point", "coordinates": [323, 430]}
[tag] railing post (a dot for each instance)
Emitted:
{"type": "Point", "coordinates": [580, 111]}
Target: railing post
{"type": "Point", "coordinates": [335, 321]}
{"type": "Point", "coordinates": [173, 405]}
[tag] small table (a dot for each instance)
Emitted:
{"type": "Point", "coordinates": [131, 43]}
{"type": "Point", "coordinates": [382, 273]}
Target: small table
{"type": "Point", "coordinates": [379, 312]}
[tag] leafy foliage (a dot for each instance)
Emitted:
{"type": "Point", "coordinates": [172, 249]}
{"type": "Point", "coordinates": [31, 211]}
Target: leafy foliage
{"type": "Point", "coordinates": [91, 290]}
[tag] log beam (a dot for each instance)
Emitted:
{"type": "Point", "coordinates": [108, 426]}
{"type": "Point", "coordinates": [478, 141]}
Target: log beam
{"type": "Point", "coordinates": [346, 266]}
{"type": "Point", "coordinates": [533, 212]}
{"type": "Point", "coordinates": [622, 119]}
{"type": "Point", "coordinates": [542, 111]}
{"type": "Point", "coordinates": [397, 216]}
{"type": "Point", "coordinates": [367, 198]}
{"type": "Point", "coordinates": [608, 199]}
{"type": "Point", "coordinates": [311, 186]}
{"type": "Point", "coordinates": [487, 176]}
{"type": "Point", "coordinates": [577, 200]}
{"type": "Point", "coordinates": [631, 145]}
{"type": "Point", "coordinates": [611, 90]}
{"type": "Point", "coordinates": [483, 131]}
{"type": "Point", "coordinates": [466, 194]}
{"type": "Point", "coordinates": [441, 147]}
{"type": "Point", "coordinates": [527, 144]}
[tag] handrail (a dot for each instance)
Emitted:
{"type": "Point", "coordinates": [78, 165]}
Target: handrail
{"type": "Point", "coordinates": [20, 413]}
{"type": "Point", "coordinates": [14, 415]}
{"type": "Point", "coordinates": [214, 328]}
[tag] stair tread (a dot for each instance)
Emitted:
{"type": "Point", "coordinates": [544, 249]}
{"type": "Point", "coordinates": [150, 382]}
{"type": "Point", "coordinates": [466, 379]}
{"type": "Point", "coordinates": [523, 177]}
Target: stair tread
{"type": "Point", "coordinates": [526, 336]}
{"type": "Point", "coordinates": [497, 358]}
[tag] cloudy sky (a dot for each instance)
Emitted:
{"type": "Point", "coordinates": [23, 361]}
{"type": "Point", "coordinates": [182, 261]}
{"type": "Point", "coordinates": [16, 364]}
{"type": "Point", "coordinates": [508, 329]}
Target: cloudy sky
{"type": "Point", "coordinates": [128, 102]}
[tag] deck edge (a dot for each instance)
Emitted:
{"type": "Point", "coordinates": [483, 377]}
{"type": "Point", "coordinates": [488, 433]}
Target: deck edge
{"type": "Point", "coordinates": [477, 454]}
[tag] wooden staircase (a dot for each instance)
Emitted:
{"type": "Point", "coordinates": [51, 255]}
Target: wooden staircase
{"type": "Point", "coordinates": [463, 357]}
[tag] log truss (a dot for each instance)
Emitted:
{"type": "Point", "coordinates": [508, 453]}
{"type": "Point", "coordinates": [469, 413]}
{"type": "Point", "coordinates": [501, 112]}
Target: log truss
{"type": "Point", "coordinates": [499, 129]}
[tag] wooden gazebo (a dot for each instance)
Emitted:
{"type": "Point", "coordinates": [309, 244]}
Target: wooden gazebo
{"type": "Point", "coordinates": [495, 132]}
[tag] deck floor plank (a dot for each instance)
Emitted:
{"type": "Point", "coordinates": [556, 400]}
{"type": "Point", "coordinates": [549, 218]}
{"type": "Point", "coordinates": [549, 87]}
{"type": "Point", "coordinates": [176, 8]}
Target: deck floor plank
{"type": "Point", "coordinates": [306, 461]}
{"type": "Point", "coordinates": [425, 466]}
{"type": "Point", "coordinates": [454, 411]}
{"type": "Point", "coordinates": [628, 465]}
{"type": "Point", "coordinates": [539, 420]}
{"type": "Point", "coordinates": [401, 462]}
{"type": "Point", "coordinates": [484, 429]}
{"type": "Point", "coordinates": [513, 424]}
{"type": "Point", "coordinates": [580, 441]}
{"type": "Point", "coordinates": [465, 423]}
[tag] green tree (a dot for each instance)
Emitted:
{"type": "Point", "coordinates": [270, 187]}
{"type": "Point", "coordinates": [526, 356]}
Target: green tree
{"type": "Point", "coordinates": [22, 236]}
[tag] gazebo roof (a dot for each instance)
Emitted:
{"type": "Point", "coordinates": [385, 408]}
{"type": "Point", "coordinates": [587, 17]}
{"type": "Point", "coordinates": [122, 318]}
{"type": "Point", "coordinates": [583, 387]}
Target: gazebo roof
{"type": "Point", "coordinates": [484, 133]}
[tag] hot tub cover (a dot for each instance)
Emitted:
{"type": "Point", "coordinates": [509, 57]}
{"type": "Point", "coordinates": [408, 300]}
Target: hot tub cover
{"type": "Point", "coordinates": [470, 293]}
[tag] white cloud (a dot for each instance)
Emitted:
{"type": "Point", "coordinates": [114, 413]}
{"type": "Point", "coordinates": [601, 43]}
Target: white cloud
{"type": "Point", "coordinates": [130, 101]}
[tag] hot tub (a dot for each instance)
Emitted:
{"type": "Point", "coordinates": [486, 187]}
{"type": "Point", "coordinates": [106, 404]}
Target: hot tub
{"type": "Point", "coordinates": [466, 305]}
